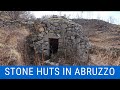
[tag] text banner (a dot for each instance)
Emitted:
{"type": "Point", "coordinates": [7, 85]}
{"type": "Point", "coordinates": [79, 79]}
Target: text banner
{"type": "Point", "coordinates": [59, 72]}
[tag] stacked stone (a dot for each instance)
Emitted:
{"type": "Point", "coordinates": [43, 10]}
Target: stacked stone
{"type": "Point", "coordinates": [13, 24]}
{"type": "Point", "coordinates": [69, 34]}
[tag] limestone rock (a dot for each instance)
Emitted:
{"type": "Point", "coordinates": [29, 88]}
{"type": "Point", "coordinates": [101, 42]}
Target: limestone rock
{"type": "Point", "coordinates": [71, 42]}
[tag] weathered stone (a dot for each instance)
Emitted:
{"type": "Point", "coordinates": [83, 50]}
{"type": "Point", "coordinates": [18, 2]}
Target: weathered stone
{"type": "Point", "coordinates": [63, 26]}
{"type": "Point", "coordinates": [45, 39]}
{"type": "Point", "coordinates": [60, 40]}
{"type": "Point", "coordinates": [44, 46]}
{"type": "Point", "coordinates": [51, 31]}
{"type": "Point", "coordinates": [39, 42]}
{"type": "Point", "coordinates": [78, 40]}
{"type": "Point", "coordinates": [41, 29]}
{"type": "Point", "coordinates": [46, 43]}
{"type": "Point", "coordinates": [40, 35]}
{"type": "Point", "coordinates": [46, 31]}
{"type": "Point", "coordinates": [56, 24]}
{"type": "Point", "coordinates": [68, 29]}
{"type": "Point", "coordinates": [70, 38]}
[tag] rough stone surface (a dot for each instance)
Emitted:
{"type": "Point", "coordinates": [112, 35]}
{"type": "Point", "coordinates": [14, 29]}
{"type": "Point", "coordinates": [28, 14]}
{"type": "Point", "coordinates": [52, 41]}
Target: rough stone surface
{"type": "Point", "coordinates": [71, 40]}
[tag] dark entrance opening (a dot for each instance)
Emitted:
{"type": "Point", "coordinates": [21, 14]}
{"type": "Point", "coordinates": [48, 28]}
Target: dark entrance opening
{"type": "Point", "coordinates": [53, 45]}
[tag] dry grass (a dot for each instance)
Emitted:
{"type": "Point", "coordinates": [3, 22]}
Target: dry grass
{"type": "Point", "coordinates": [103, 56]}
{"type": "Point", "coordinates": [105, 43]}
{"type": "Point", "coordinates": [12, 46]}
{"type": "Point", "coordinates": [105, 48]}
{"type": "Point", "coordinates": [66, 57]}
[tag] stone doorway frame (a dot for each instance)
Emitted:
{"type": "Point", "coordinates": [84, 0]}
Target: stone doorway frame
{"type": "Point", "coordinates": [53, 46]}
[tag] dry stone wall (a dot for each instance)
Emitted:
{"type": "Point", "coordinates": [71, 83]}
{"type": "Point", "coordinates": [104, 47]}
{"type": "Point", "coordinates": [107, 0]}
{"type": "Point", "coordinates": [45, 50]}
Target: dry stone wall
{"type": "Point", "coordinates": [71, 41]}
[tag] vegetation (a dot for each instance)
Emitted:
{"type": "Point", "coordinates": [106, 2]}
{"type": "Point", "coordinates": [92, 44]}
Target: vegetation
{"type": "Point", "coordinates": [104, 50]}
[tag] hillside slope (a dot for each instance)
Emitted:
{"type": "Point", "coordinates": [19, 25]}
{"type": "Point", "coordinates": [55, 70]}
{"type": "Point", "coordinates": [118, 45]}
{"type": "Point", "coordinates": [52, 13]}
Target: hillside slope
{"type": "Point", "coordinates": [12, 42]}
{"type": "Point", "coordinates": [101, 33]}
{"type": "Point", "coordinates": [105, 41]}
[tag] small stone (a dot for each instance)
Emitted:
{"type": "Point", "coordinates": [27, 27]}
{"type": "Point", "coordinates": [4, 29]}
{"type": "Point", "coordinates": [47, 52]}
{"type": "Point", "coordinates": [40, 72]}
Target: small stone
{"type": "Point", "coordinates": [56, 24]}
{"type": "Point", "coordinates": [72, 37]}
{"type": "Point", "coordinates": [51, 31]}
{"type": "Point", "coordinates": [41, 29]}
{"type": "Point", "coordinates": [40, 35]}
{"type": "Point", "coordinates": [46, 32]}
{"type": "Point", "coordinates": [46, 43]}
{"type": "Point", "coordinates": [63, 26]}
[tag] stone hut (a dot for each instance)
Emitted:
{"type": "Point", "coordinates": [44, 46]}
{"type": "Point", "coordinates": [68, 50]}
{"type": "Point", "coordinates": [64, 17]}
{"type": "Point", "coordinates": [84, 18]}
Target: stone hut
{"type": "Point", "coordinates": [60, 39]}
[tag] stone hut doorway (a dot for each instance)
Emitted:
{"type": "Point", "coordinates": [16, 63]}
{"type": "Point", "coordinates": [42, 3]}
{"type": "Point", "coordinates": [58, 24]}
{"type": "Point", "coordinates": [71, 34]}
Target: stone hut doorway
{"type": "Point", "coordinates": [53, 46]}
